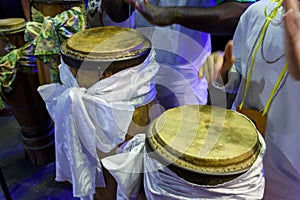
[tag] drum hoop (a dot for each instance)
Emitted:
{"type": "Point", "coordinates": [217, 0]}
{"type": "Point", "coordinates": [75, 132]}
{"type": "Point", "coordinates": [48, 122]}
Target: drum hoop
{"type": "Point", "coordinates": [169, 161]}
{"type": "Point", "coordinates": [75, 58]}
{"type": "Point", "coordinates": [12, 27]}
{"type": "Point", "coordinates": [12, 31]}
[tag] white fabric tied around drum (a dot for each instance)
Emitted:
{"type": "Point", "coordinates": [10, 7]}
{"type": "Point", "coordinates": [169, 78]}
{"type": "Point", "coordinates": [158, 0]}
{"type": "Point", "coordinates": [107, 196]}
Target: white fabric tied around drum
{"type": "Point", "coordinates": [97, 117]}
{"type": "Point", "coordinates": [161, 183]}
{"type": "Point", "coordinates": [127, 168]}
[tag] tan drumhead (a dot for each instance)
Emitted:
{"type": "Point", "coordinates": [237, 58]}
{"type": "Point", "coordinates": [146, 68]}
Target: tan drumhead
{"type": "Point", "coordinates": [207, 139]}
{"type": "Point", "coordinates": [106, 44]}
{"type": "Point", "coordinates": [12, 25]}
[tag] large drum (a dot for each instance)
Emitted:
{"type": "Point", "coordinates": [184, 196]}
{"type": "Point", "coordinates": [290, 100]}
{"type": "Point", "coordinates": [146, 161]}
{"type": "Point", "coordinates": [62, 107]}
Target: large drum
{"type": "Point", "coordinates": [207, 151]}
{"type": "Point", "coordinates": [98, 53]}
{"type": "Point", "coordinates": [52, 8]}
{"type": "Point", "coordinates": [25, 102]}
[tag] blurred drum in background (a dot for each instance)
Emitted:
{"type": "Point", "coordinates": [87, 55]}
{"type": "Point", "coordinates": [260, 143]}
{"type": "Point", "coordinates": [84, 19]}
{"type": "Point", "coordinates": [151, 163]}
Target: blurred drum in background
{"type": "Point", "coordinates": [48, 72]}
{"type": "Point", "coordinates": [203, 152]}
{"type": "Point", "coordinates": [23, 99]}
{"type": "Point", "coordinates": [54, 7]}
{"type": "Point", "coordinates": [11, 34]}
{"type": "Point", "coordinates": [111, 53]}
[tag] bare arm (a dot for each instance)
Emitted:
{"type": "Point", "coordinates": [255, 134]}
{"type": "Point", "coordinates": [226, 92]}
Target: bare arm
{"type": "Point", "coordinates": [26, 9]}
{"type": "Point", "coordinates": [117, 10]}
{"type": "Point", "coordinates": [219, 20]}
{"type": "Point", "coordinates": [292, 40]}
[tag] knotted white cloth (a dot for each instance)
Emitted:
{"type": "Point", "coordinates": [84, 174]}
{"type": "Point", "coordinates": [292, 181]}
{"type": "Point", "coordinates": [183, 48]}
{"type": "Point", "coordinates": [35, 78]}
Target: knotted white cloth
{"type": "Point", "coordinates": [161, 183]}
{"type": "Point", "coordinates": [96, 117]}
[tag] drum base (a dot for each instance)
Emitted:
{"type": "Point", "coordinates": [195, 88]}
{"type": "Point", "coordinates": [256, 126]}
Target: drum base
{"type": "Point", "coordinates": [141, 119]}
{"type": "Point", "coordinates": [30, 112]}
{"type": "Point", "coordinates": [110, 191]}
{"type": "Point", "coordinates": [40, 150]}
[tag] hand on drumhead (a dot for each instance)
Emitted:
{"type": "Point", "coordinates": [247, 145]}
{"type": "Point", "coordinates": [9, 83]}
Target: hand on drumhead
{"type": "Point", "coordinates": [218, 63]}
{"type": "Point", "coordinates": [161, 16]}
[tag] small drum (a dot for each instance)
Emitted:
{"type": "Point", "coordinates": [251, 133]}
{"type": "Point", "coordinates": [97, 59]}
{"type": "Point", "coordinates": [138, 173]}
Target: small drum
{"type": "Point", "coordinates": [98, 53]}
{"type": "Point", "coordinates": [203, 145]}
{"type": "Point", "coordinates": [11, 33]}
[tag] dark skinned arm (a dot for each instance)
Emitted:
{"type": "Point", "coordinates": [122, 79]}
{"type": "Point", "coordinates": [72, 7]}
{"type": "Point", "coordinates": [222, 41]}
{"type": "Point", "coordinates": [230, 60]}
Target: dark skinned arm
{"type": "Point", "coordinates": [117, 10]}
{"type": "Point", "coordinates": [219, 20]}
{"type": "Point", "coordinates": [292, 37]}
{"type": "Point", "coordinates": [26, 9]}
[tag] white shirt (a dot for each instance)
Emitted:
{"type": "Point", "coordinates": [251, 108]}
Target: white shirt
{"type": "Point", "coordinates": [283, 119]}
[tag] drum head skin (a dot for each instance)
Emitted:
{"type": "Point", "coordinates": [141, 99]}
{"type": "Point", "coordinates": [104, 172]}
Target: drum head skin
{"type": "Point", "coordinates": [105, 44]}
{"type": "Point", "coordinates": [204, 140]}
{"type": "Point", "coordinates": [12, 25]}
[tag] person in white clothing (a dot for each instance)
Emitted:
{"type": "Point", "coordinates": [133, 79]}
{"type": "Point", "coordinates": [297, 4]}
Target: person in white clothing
{"type": "Point", "coordinates": [179, 57]}
{"type": "Point", "coordinates": [182, 42]}
{"type": "Point", "coordinates": [261, 78]}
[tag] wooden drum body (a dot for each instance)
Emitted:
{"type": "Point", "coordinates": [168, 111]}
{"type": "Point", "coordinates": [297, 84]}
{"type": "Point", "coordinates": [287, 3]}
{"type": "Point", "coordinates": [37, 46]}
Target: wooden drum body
{"type": "Point", "coordinates": [25, 102]}
{"type": "Point", "coordinates": [97, 53]}
{"type": "Point", "coordinates": [51, 8]}
{"type": "Point", "coordinates": [30, 111]}
{"type": "Point", "coordinates": [54, 7]}
{"type": "Point", "coordinates": [204, 145]}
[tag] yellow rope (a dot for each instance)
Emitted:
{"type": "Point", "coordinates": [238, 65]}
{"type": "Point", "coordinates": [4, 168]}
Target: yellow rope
{"type": "Point", "coordinates": [275, 88]}
{"type": "Point", "coordinates": [269, 19]}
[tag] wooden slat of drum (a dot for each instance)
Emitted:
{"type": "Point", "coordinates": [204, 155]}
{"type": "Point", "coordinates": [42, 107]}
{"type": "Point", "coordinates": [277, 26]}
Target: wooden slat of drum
{"type": "Point", "coordinates": [52, 9]}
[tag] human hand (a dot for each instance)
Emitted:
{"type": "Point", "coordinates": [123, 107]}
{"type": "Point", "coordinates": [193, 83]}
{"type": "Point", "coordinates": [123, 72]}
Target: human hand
{"type": "Point", "coordinates": [218, 63]}
{"type": "Point", "coordinates": [161, 16]}
{"type": "Point", "coordinates": [292, 37]}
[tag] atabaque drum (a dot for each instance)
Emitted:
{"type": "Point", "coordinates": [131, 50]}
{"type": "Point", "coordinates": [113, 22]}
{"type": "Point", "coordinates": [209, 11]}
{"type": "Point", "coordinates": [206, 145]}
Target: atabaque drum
{"type": "Point", "coordinates": [11, 34]}
{"type": "Point", "coordinates": [30, 112]}
{"type": "Point", "coordinates": [23, 99]}
{"type": "Point", "coordinates": [97, 54]}
{"type": "Point", "coordinates": [206, 150]}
